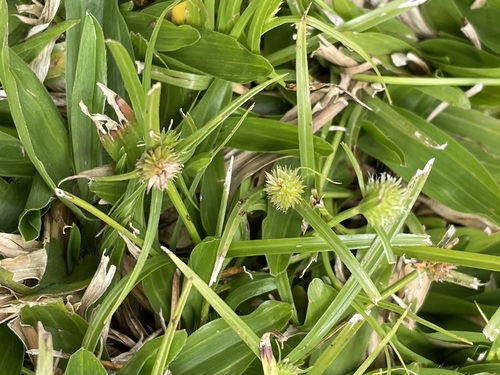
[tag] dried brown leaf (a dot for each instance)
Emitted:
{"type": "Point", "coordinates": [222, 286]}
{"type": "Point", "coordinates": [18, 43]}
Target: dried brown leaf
{"type": "Point", "coordinates": [98, 285]}
{"type": "Point", "coordinates": [44, 14]}
{"type": "Point", "coordinates": [13, 245]}
{"type": "Point", "coordinates": [28, 266]}
{"type": "Point", "coordinates": [332, 54]}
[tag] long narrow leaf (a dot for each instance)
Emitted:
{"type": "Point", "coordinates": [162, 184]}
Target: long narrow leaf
{"type": "Point", "coordinates": [306, 146]}
{"type": "Point", "coordinates": [233, 320]}
{"type": "Point", "coordinates": [39, 124]}
{"type": "Point", "coordinates": [90, 69]}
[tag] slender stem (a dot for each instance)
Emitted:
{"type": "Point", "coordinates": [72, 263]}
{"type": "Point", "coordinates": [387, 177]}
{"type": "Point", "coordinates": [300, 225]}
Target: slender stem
{"type": "Point", "coordinates": [389, 252]}
{"type": "Point", "coordinates": [112, 302]}
{"type": "Point", "coordinates": [356, 166]}
{"type": "Point", "coordinates": [351, 288]}
{"type": "Point", "coordinates": [385, 340]}
{"type": "Point", "coordinates": [168, 337]}
{"type": "Point", "coordinates": [233, 221]}
{"type": "Point", "coordinates": [285, 292]}
{"type": "Point", "coordinates": [306, 245]}
{"type": "Point", "coordinates": [423, 81]}
{"type": "Point", "coordinates": [148, 59]}
{"type": "Point", "coordinates": [65, 196]}
{"type": "Point", "coordinates": [337, 345]}
{"type": "Point", "coordinates": [323, 230]}
{"type": "Point", "coordinates": [329, 271]}
{"type": "Point", "coordinates": [328, 162]}
{"type": "Point", "coordinates": [176, 199]}
{"type": "Point", "coordinates": [224, 199]}
{"type": "Point", "coordinates": [230, 317]}
{"type": "Point", "coordinates": [347, 214]}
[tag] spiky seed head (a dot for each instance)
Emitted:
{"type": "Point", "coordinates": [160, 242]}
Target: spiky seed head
{"type": "Point", "coordinates": [284, 187]}
{"type": "Point", "coordinates": [158, 166]}
{"type": "Point", "coordinates": [391, 196]}
{"type": "Point", "coordinates": [287, 368]}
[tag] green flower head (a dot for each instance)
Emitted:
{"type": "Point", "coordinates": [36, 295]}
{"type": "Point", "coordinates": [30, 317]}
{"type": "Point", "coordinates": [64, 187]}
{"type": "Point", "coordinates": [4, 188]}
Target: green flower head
{"type": "Point", "coordinates": [160, 164]}
{"type": "Point", "coordinates": [286, 368]}
{"type": "Point", "coordinates": [284, 187]}
{"type": "Point", "coordinates": [391, 196]}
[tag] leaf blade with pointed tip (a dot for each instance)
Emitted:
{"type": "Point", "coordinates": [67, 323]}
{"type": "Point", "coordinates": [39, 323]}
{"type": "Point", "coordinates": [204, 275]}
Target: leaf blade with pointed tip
{"type": "Point", "coordinates": [84, 362]}
{"type": "Point", "coordinates": [214, 50]}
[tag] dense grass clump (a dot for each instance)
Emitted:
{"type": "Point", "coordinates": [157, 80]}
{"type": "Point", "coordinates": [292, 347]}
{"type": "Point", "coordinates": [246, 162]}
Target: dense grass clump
{"type": "Point", "coordinates": [249, 187]}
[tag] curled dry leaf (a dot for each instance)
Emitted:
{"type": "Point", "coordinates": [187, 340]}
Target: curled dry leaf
{"type": "Point", "coordinates": [13, 245]}
{"type": "Point", "coordinates": [27, 266]}
{"type": "Point", "coordinates": [98, 285]}
{"type": "Point", "coordinates": [91, 174]}
{"type": "Point", "coordinates": [453, 216]}
{"type": "Point", "coordinates": [471, 33]}
{"type": "Point", "coordinates": [413, 18]}
{"type": "Point", "coordinates": [41, 63]}
{"type": "Point", "coordinates": [247, 164]}
{"type": "Point", "coordinates": [415, 63]}
{"type": "Point", "coordinates": [332, 54]}
{"type": "Point", "coordinates": [27, 334]}
{"type": "Point", "coordinates": [10, 306]}
{"type": "Point", "coordinates": [43, 15]}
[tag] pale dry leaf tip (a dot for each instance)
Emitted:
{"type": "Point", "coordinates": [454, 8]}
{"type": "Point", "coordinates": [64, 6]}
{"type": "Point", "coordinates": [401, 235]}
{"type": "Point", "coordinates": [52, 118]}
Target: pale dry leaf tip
{"type": "Point", "coordinates": [217, 268]}
{"type": "Point", "coordinates": [356, 318]}
{"type": "Point", "coordinates": [411, 4]}
{"type": "Point", "coordinates": [132, 247]}
{"type": "Point", "coordinates": [112, 99]}
{"type": "Point", "coordinates": [60, 193]}
{"type": "Point", "coordinates": [98, 285]}
{"type": "Point", "coordinates": [478, 4]}
{"type": "Point", "coordinates": [470, 32]}
{"type": "Point", "coordinates": [43, 13]}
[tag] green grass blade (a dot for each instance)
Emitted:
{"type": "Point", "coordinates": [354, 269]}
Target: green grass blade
{"type": "Point", "coordinates": [84, 362]}
{"type": "Point", "coordinates": [334, 33]}
{"type": "Point", "coordinates": [378, 15]}
{"type": "Point", "coordinates": [151, 115]}
{"type": "Point", "coordinates": [130, 78]}
{"type": "Point", "coordinates": [40, 40]}
{"type": "Point", "coordinates": [265, 10]}
{"type": "Point", "coordinates": [385, 340]}
{"type": "Point", "coordinates": [306, 148]}
{"type": "Point", "coordinates": [45, 362]}
{"type": "Point", "coordinates": [191, 142]}
{"type": "Point", "coordinates": [303, 245]}
{"type": "Point", "coordinates": [105, 309]}
{"type": "Point", "coordinates": [39, 125]}
{"type": "Point", "coordinates": [421, 140]}
{"type": "Point", "coordinates": [426, 81]}
{"type": "Point", "coordinates": [176, 199]}
{"type": "Point", "coordinates": [228, 12]}
{"type": "Point", "coordinates": [322, 228]}
{"type": "Point", "coordinates": [337, 345]}
{"type": "Point", "coordinates": [233, 320]}
{"type": "Point", "coordinates": [90, 69]}
{"type": "Point", "coordinates": [148, 59]}
{"type": "Point", "coordinates": [113, 301]}
{"type": "Point", "coordinates": [233, 221]}
{"type": "Point", "coordinates": [168, 337]}
{"type": "Point", "coordinates": [459, 258]}
{"type": "Point", "coordinates": [351, 289]}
